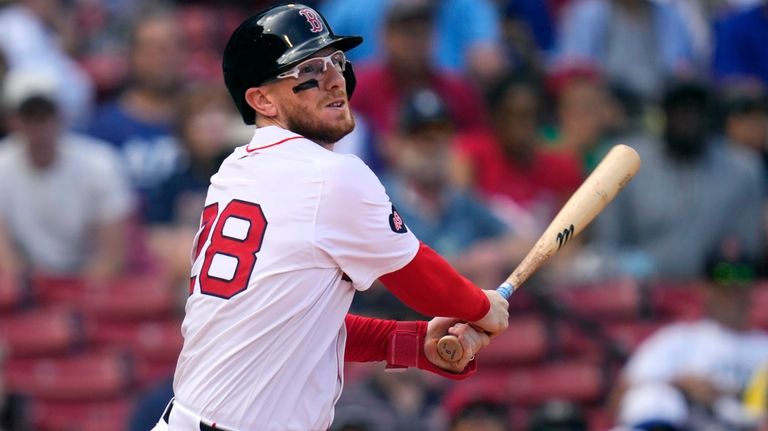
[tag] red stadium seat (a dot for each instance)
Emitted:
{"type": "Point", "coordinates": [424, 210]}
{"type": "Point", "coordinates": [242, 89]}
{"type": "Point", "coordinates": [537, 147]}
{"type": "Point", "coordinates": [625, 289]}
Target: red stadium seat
{"type": "Point", "coordinates": [615, 299]}
{"type": "Point", "coordinates": [111, 415]}
{"type": "Point", "coordinates": [574, 341]}
{"type": "Point", "coordinates": [40, 332]}
{"type": "Point", "coordinates": [577, 382]}
{"type": "Point", "coordinates": [155, 345]}
{"type": "Point", "coordinates": [676, 301]}
{"type": "Point", "coordinates": [524, 341]}
{"type": "Point", "coordinates": [123, 298]}
{"type": "Point", "coordinates": [90, 376]}
{"type": "Point", "coordinates": [155, 340]}
{"type": "Point", "coordinates": [530, 386]}
{"type": "Point", "coordinates": [11, 292]}
{"type": "Point", "coordinates": [629, 335]}
{"type": "Point", "coordinates": [759, 305]}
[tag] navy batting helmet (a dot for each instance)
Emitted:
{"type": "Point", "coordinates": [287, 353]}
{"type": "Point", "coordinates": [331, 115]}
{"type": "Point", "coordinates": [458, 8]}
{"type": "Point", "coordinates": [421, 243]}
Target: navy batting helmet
{"type": "Point", "coordinates": [273, 41]}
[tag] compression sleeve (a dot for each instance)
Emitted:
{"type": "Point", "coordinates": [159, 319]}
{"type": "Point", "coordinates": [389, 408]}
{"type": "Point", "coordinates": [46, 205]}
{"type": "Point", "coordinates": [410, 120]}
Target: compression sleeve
{"type": "Point", "coordinates": [430, 285]}
{"type": "Point", "coordinates": [401, 344]}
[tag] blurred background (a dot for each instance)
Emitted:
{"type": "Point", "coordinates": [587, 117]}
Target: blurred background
{"type": "Point", "coordinates": [481, 117]}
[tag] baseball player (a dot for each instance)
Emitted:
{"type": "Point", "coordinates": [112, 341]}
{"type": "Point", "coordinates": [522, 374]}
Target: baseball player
{"type": "Point", "coordinates": [289, 232]}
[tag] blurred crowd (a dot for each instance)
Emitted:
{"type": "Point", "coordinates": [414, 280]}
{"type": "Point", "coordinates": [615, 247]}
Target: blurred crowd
{"type": "Point", "coordinates": [481, 117]}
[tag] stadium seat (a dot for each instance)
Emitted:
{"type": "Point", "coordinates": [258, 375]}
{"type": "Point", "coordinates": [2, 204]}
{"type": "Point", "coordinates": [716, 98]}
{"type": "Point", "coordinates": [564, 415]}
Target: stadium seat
{"type": "Point", "coordinates": [573, 341]}
{"type": "Point", "coordinates": [41, 332]}
{"type": "Point", "coordinates": [676, 301]}
{"type": "Point", "coordinates": [629, 335]}
{"type": "Point", "coordinates": [759, 307]}
{"type": "Point", "coordinates": [109, 415]}
{"type": "Point", "coordinates": [614, 300]}
{"type": "Point", "coordinates": [154, 345]}
{"type": "Point", "coordinates": [89, 376]}
{"type": "Point", "coordinates": [11, 292]}
{"type": "Point", "coordinates": [524, 341]}
{"type": "Point", "coordinates": [579, 382]}
{"type": "Point", "coordinates": [123, 298]}
{"type": "Point", "coordinates": [530, 386]}
{"type": "Point", "coordinates": [156, 340]}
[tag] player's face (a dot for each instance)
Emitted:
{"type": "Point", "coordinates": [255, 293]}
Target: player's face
{"type": "Point", "coordinates": [320, 113]}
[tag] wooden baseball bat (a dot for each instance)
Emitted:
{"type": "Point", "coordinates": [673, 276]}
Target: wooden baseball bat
{"type": "Point", "coordinates": [603, 184]}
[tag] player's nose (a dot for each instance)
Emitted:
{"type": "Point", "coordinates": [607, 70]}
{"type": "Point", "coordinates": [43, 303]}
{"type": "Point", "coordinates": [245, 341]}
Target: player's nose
{"type": "Point", "coordinates": [333, 78]}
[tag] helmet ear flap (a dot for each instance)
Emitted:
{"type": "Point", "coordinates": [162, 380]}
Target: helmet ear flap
{"type": "Point", "coordinates": [349, 77]}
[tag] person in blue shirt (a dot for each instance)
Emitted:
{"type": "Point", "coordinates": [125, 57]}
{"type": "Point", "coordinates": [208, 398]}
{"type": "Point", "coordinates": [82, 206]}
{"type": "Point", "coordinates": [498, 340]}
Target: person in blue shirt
{"type": "Point", "coordinates": [638, 43]}
{"type": "Point", "coordinates": [467, 32]}
{"type": "Point", "coordinates": [740, 45]}
{"type": "Point", "coordinates": [140, 122]}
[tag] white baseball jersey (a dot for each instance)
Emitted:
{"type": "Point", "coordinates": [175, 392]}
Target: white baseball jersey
{"type": "Point", "coordinates": [702, 348]}
{"type": "Point", "coordinates": [289, 232]}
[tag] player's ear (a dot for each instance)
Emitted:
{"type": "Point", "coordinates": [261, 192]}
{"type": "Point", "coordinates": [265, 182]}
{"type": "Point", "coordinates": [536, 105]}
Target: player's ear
{"type": "Point", "coordinates": [262, 101]}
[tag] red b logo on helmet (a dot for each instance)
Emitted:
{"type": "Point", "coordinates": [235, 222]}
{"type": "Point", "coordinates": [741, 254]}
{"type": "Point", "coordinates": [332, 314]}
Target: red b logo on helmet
{"type": "Point", "coordinates": [313, 19]}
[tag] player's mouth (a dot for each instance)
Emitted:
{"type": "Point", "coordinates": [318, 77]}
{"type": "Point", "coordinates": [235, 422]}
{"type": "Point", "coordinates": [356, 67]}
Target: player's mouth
{"type": "Point", "coordinates": [336, 104]}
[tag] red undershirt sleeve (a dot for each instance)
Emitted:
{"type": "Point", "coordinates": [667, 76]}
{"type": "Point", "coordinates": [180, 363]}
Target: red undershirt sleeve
{"type": "Point", "coordinates": [431, 286]}
{"type": "Point", "coordinates": [367, 338]}
{"type": "Point", "coordinates": [401, 344]}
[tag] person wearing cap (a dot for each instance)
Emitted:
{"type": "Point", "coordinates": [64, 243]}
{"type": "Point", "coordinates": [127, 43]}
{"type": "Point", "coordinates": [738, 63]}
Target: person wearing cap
{"type": "Point", "coordinates": [708, 361]}
{"type": "Point", "coordinates": [405, 66]}
{"type": "Point", "coordinates": [65, 198]}
{"type": "Point", "coordinates": [450, 219]}
{"type": "Point", "coordinates": [740, 48]}
{"type": "Point", "coordinates": [290, 232]}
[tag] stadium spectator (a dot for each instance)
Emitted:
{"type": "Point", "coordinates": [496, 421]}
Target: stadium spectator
{"type": "Point", "coordinates": [740, 48]}
{"type": "Point", "coordinates": [402, 401]}
{"type": "Point", "coordinates": [65, 199]}
{"type": "Point", "coordinates": [710, 361]}
{"type": "Point", "coordinates": [139, 123]}
{"type": "Point", "coordinates": [449, 219]}
{"type": "Point", "coordinates": [526, 183]}
{"type": "Point", "coordinates": [557, 415]}
{"type": "Point", "coordinates": [690, 194]}
{"type": "Point", "coordinates": [756, 397]}
{"type": "Point", "coordinates": [481, 415]}
{"type": "Point", "coordinates": [636, 42]}
{"type": "Point", "coordinates": [581, 112]}
{"type": "Point", "coordinates": [653, 406]}
{"type": "Point", "coordinates": [34, 39]}
{"type": "Point", "coordinates": [745, 116]}
{"type": "Point", "coordinates": [206, 123]}
{"type": "Point", "coordinates": [467, 36]}
{"type": "Point", "coordinates": [533, 17]}
{"type": "Point", "coordinates": [406, 66]}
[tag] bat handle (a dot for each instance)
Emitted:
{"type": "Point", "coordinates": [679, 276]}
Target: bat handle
{"type": "Point", "coordinates": [449, 348]}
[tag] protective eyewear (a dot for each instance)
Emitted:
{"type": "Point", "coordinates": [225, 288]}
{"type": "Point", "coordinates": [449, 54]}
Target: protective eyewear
{"type": "Point", "coordinates": [314, 68]}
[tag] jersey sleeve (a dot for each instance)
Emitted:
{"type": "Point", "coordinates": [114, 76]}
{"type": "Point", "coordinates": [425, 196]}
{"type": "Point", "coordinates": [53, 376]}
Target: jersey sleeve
{"type": "Point", "coordinates": [358, 227]}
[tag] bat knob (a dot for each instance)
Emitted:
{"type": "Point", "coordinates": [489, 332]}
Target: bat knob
{"type": "Point", "coordinates": [449, 348]}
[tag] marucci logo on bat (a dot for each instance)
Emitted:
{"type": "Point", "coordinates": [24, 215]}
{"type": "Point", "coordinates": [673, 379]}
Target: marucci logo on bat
{"type": "Point", "coordinates": [564, 236]}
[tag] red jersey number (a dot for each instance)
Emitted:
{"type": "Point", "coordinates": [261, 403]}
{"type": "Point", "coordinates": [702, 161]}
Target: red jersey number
{"type": "Point", "coordinates": [230, 248]}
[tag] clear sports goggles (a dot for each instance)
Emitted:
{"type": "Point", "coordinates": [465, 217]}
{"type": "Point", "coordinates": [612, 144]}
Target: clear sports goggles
{"type": "Point", "coordinates": [314, 68]}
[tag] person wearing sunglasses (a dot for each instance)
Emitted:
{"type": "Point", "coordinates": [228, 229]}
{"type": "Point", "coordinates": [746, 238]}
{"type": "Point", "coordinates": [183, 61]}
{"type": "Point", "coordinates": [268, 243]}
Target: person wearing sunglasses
{"type": "Point", "coordinates": [290, 231]}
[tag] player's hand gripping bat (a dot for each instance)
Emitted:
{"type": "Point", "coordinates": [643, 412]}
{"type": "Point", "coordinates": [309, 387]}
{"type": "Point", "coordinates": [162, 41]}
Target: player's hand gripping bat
{"type": "Point", "coordinates": [602, 185]}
